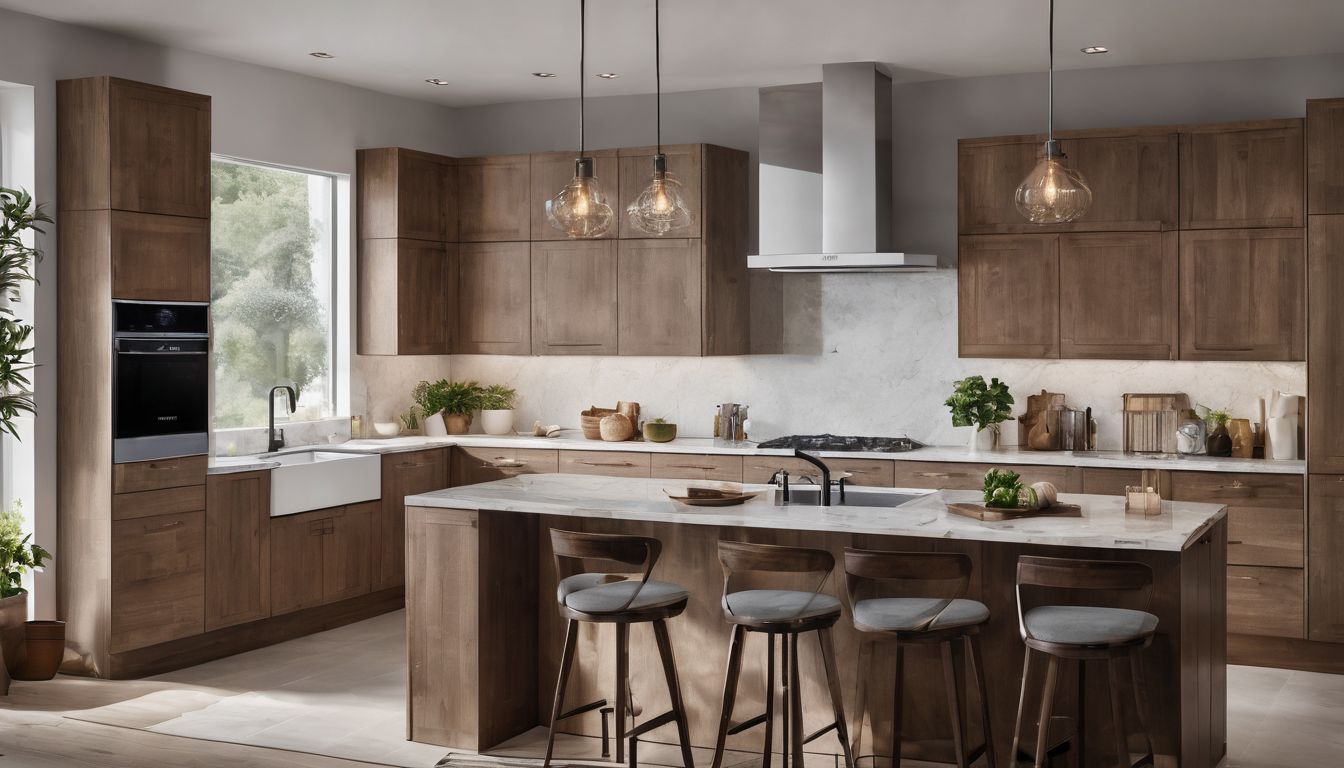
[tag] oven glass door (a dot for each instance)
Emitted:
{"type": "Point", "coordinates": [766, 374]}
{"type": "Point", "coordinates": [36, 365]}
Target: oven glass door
{"type": "Point", "coordinates": [162, 387]}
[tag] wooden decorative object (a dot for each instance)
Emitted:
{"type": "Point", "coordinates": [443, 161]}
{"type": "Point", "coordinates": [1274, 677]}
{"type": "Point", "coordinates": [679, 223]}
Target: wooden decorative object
{"type": "Point", "coordinates": [591, 420]}
{"type": "Point", "coordinates": [995, 514]}
{"type": "Point", "coordinates": [616, 428]}
{"type": "Point", "coordinates": [1039, 426]}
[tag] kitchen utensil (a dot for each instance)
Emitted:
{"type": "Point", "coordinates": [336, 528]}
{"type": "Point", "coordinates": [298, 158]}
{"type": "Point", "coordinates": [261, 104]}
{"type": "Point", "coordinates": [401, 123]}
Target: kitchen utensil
{"type": "Point", "coordinates": [995, 514]}
{"type": "Point", "coordinates": [729, 423]}
{"type": "Point", "coordinates": [1243, 438]}
{"type": "Point", "coordinates": [1151, 421]}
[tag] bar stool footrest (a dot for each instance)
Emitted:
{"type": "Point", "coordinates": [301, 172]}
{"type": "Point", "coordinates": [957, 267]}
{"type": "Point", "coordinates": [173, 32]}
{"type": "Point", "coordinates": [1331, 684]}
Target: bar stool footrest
{"type": "Point", "coordinates": [600, 703]}
{"type": "Point", "coordinates": [746, 725]}
{"type": "Point", "coordinates": [818, 734]}
{"type": "Point", "coordinates": [648, 725]}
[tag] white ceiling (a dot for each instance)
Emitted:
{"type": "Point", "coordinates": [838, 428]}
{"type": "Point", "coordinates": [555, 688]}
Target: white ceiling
{"type": "Point", "coordinates": [487, 48]}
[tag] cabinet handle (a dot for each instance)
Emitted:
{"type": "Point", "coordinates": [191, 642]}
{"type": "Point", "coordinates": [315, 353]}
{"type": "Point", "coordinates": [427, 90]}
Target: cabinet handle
{"type": "Point", "coordinates": [932, 474]}
{"type": "Point", "coordinates": [693, 466]}
{"type": "Point", "coordinates": [410, 465]}
{"type": "Point", "coordinates": [605, 463]}
{"type": "Point", "coordinates": [164, 526]}
{"type": "Point", "coordinates": [502, 463]}
{"type": "Point", "coordinates": [160, 468]}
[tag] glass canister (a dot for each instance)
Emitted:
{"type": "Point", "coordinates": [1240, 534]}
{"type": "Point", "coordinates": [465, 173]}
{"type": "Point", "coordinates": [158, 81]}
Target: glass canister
{"type": "Point", "coordinates": [1191, 435]}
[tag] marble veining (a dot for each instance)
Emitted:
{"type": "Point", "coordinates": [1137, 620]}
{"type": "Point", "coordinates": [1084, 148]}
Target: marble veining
{"type": "Point", "coordinates": [1104, 523]}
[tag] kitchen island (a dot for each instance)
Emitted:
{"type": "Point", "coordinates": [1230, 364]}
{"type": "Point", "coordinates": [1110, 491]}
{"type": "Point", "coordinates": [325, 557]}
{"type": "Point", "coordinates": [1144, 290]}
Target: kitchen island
{"type": "Point", "coordinates": [484, 636]}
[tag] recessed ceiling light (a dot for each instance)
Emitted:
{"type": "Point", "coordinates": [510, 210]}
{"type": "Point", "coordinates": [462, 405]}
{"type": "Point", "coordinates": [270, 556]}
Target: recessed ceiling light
{"type": "Point", "coordinates": [608, 75]}
{"type": "Point", "coordinates": [321, 55]}
{"type": "Point", "coordinates": [1096, 49]}
{"type": "Point", "coordinates": [436, 81]}
{"type": "Point", "coordinates": [543, 74]}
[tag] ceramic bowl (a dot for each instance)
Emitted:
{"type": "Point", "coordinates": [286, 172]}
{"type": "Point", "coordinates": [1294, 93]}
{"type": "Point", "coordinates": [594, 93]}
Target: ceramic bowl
{"type": "Point", "coordinates": [386, 428]}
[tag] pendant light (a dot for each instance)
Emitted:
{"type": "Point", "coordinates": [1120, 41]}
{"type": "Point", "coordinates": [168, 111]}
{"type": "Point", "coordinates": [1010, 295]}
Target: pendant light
{"type": "Point", "coordinates": [1054, 192]}
{"type": "Point", "coordinates": [661, 207]}
{"type": "Point", "coordinates": [580, 209]}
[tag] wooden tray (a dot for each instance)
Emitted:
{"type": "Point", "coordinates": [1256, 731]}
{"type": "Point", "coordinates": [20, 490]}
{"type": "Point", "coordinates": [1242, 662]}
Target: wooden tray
{"type": "Point", "coordinates": [995, 514]}
{"type": "Point", "coordinates": [710, 497]}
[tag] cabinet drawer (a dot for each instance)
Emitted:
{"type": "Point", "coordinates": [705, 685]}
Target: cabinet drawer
{"type": "Point", "coordinates": [1265, 601]}
{"type": "Point", "coordinates": [160, 473]}
{"type": "Point", "coordinates": [873, 472]}
{"type": "Point", "coordinates": [971, 477]}
{"type": "Point", "coordinates": [481, 465]}
{"type": "Point", "coordinates": [1112, 482]}
{"type": "Point", "coordinates": [1238, 489]}
{"type": "Point", "coordinates": [611, 463]}
{"type": "Point", "coordinates": [165, 501]}
{"type": "Point", "coordinates": [678, 466]}
{"type": "Point", "coordinates": [158, 579]}
{"type": "Point", "coordinates": [1269, 536]}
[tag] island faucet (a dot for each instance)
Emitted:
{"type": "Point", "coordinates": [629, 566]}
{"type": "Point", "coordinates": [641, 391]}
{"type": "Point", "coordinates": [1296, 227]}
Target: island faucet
{"type": "Point", "coordinates": [276, 440]}
{"type": "Point", "coordinates": [825, 494]}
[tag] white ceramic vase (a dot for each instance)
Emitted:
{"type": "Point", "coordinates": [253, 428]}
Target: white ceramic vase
{"type": "Point", "coordinates": [984, 439]}
{"type": "Point", "coordinates": [434, 426]}
{"type": "Point", "coordinates": [497, 422]}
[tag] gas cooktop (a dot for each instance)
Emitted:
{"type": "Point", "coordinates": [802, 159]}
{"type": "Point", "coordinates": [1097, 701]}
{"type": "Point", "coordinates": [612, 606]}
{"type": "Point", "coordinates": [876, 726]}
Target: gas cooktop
{"type": "Point", "coordinates": [844, 443]}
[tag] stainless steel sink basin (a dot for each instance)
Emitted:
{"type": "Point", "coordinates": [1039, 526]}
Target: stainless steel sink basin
{"type": "Point", "coordinates": [859, 497]}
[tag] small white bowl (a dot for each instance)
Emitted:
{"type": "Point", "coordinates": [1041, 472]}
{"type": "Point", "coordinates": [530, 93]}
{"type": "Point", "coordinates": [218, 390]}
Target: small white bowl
{"type": "Point", "coordinates": [386, 428]}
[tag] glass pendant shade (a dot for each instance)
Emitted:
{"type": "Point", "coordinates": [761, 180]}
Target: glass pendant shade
{"type": "Point", "coordinates": [580, 209]}
{"type": "Point", "coordinates": [661, 207]}
{"type": "Point", "coordinates": [1054, 192]}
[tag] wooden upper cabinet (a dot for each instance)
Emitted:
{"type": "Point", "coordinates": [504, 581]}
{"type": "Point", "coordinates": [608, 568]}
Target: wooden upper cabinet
{"type": "Point", "coordinates": [405, 297]}
{"type": "Point", "coordinates": [407, 194]}
{"type": "Point", "coordinates": [1325, 344]}
{"type": "Point", "coordinates": [1132, 176]}
{"type": "Point", "coordinates": [684, 161]}
{"type": "Point", "coordinates": [1117, 295]}
{"type": "Point", "coordinates": [660, 297]}
{"type": "Point", "coordinates": [160, 258]}
{"type": "Point", "coordinates": [133, 147]}
{"type": "Point", "coordinates": [551, 171]}
{"type": "Point", "coordinates": [494, 299]}
{"type": "Point", "coordinates": [1242, 175]}
{"type": "Point", "coordinates": [493, 197]}
{"type": "Point", "coordinates": [1325, 156]}
{"type": "Point", "coordinates": [1325, 579]}
{"type": "Point", "coordinates": [1008, 296]}
{"type": "Point", "coordinates": [237, 548]}
{"type": "Point", "coordinates": [1243, 295]}
{"type": "Point", "coordinates": [574, 297]}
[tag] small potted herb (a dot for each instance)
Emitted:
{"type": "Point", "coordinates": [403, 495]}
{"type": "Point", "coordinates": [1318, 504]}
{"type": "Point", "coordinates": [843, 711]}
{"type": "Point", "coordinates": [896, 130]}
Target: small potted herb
{"type": "Point", "coordinates": [1220, 442]}
{"type": "Point", "coordinates": [496, 405]}
{"type": "Point", "coordinates": [659, 431]}
{"type": "Point", "coordinates": [447, 405]}
{"type": "Point", "coordinates": [974, 403]}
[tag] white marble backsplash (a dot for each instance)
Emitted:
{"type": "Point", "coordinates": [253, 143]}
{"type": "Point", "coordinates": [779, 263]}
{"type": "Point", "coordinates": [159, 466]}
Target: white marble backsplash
{"type": "Point", "coordinates": [246, 441]}
{"type": "Point", "coordinates": [871, 354]}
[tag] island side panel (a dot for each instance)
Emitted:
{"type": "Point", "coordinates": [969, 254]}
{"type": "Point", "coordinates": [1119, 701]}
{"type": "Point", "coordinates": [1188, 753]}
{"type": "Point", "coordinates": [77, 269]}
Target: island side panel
{"type": "Point", "coordinates": [1203, 672]}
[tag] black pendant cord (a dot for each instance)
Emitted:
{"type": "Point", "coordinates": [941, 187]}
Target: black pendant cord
{"type": "Point", "coordinates": [583, 8]}
{"type": "Point", "coordinates": [658, 79]}
{"type": "Point", "coordinates": [1050, 109]}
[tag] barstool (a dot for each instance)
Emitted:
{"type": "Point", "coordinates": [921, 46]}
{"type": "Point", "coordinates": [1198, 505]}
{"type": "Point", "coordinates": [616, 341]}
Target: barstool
{"type": "Point", "coordinates": [879, 605]}
{"type": "Point", "coordinates": [1084, 633]}
{"type": "Point", "coordinates": [613, 598]}
{"type": "Point", "coordinates": [785, 615]}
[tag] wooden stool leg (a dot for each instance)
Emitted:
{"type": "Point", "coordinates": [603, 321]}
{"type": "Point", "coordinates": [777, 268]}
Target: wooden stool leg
{"type": "Point", "coordinates": [863, 670]}
{"type": "Point", "coordinates": [674, 691]}
{"type": "Point", "coordinates": [622, 686]}
{"type": "Point", "coordinates": [954, 682]}
{"type": "Point", "coordinates": [1047, 703]}
{"type": "Point", "coordinates": [796, 703]}
{"type": "Point", "coordinates": [1118, 714]}
{"type": "Point", "coordinates": [1140, 693]}
{"type": "Point", "coordinates": [729, 692]}
{"type": "Point", "coordinates": [1021, 709]}
{"type": "Point", "coordinates": [1080, 718]}
{"type": "Point", "coordinates": [837, 697]}
{"type": "Point", "coordinates": [978, 661]}
{"type": "Point", "coordinates": [566, 663]}
{"type": "Point", "coordinates": [769, 701]}
{"type": "Point", "coordinates": [786, 733]}
{"type": "Point", "coordinates": [896, 702]}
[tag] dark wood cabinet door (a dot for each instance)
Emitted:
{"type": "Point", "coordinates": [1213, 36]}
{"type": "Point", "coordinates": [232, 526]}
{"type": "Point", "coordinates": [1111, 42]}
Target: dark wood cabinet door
{"type": "Point", "coordinates": [1325, 156]}
{"type": "Point", "coordinates": [1008, 296]}
{"type": "Point", "coordinates": [1325, 579]}
{"type": "Point", "coordinates": [1325, 341]}
{"type": "Point", "coordinates": [1132, 177]}
{"type": "Point", "coordinates": [1242, 175]}
{"type": "Point", "coordinates": [551, 171]}
{"type": "Point", "coordinates": [685, 162]}
{"type": "Point", "coordinates": [160, 150]}
{"type": "Point", "coordinates": [660, 297]}
{"type": "Point", "coordinates": [1243, 295]}
{"type": "Point", "coordinates": [160, 258]}
{"type": "Point", "coordinates": [492, 198]}
{"type": "Point", "coordinates": [405, 297]}
{"type": "Point", "coordinates": [237, 548]}
{"type": "Point", "coordinates": [405, 193]}
{"type": "Point", "coordinates": [347, 552]}
{"type": "Point", "coordinates": [296, 561]}
{"type": "Point", "coordinates": [494, 299]}
{"type": "Point", "coordinates": [1266, 601]}
{"type": "Point", "coordinates": [1117, 295]}
{"type": "Point", "coordinates": [574, 298]}
{"type": "Point", "coordinates": [158, 579]}
{"type": "Point", "coordinates": [404, 474]}
{"type": "Point", "coordinates": [481, 465]}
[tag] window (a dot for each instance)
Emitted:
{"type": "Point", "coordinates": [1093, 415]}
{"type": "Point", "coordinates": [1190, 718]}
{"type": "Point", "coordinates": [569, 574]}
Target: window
{"type": "Point", "coordinates": [272, 273]}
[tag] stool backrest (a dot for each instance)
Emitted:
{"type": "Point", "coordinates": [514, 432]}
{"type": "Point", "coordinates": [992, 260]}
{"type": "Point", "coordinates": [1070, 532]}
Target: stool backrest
{"type": "Point", "coordinates": [1062, 573]}
{"type": "Point", "coordinates": [741, 557]}
{"type": "Point", "coordinates": [572, 548]}
{"type": "Point", "coordinates": [938, 574]}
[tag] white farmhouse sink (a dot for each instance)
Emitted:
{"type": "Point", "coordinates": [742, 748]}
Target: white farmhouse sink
{"type": "Point", "coordinates": [319, 479]}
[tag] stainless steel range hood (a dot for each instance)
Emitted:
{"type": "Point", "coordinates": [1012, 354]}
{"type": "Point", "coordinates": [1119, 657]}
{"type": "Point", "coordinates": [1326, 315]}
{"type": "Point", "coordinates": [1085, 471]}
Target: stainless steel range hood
{"type": "Point", "coordinates": [839, 220]}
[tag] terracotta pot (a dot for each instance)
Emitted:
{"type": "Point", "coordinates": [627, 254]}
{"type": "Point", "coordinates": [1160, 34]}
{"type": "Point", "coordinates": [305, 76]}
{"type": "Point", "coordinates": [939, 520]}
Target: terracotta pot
{"type": "Point", "coordinates": [457, 423]}
{"type": "Point", "coordinates": [13, 613]}
{"type": "Point", "coordinates": [44, 647]}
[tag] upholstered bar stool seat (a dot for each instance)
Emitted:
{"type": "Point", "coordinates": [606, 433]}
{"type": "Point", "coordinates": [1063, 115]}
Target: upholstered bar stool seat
{"type": "Point", "coordinates": [910, 614]}
{"type": "Point", "coordinates": [597, 593]}
{"type": "Point", "coordinates": [1088, 625]}
{"type": "Point", "coordinates": [770, 605]}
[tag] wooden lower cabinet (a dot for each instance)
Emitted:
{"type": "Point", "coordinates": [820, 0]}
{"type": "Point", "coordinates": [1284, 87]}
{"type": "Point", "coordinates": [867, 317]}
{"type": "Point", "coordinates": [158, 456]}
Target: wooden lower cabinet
{"type": "Point", "coordinates": [481, 465]}
{"type": "Point", "coordinates": [1266, 601]}
{"type": "Point", "coordinates": [1325, 577]}
{"type": "Point", "coordinates": [1112, 482]}
{"type": "Point", "coordinates": [347, 553]}
{"type": "Point", "coordinates": [321, 557]}
{"type": "Point", "coordinates": [971, 477]}
{"type": "Point", "coordinates": [608, 463]}
{"type": "Point", "coordinates": [404, 474]}
{"type": "Point", "coordinates": [158, 474]}
{"type": "Point", "coordinates": [237, 549]}
{"type": "Point", "coordinates": [682, 466]}
{"type": "Point", "coordinates": [158, 579]}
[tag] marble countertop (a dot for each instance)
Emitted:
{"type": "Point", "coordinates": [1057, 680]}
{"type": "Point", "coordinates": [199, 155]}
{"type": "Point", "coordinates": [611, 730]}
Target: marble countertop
{"type": "Point", "coordinates": [573, 440]}
{"type": "Point", "coordinates": [1104, 523]}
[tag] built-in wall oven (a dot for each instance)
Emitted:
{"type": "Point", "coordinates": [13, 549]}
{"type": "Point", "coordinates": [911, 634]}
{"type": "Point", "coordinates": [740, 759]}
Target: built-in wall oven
{"type": "Point", "coordinates": [161, 380]}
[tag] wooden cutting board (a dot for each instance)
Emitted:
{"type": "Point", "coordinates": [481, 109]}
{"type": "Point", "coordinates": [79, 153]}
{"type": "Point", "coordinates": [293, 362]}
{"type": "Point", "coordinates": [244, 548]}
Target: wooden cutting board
{"type": "Point", "coordinates": [995, 514]}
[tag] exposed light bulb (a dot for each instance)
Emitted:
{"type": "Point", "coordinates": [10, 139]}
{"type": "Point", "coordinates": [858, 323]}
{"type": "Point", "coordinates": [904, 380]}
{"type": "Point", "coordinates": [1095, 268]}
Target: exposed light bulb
{"type": "Point", "coordinates": [1054, 192]}
{"type": "Point", "coordinates": [580, 209]}
{"type": "Point", "coordinates": [661, 207]}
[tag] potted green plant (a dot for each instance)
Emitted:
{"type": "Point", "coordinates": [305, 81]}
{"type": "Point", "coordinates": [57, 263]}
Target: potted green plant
{"type": "Point", "coordinates": [974, 403]}
{"type": "Point", "coordinates": [18, 555]}
{"type": "Point", "coordinates": [496, 405]}
{"type": "Point", "coordinates": [18, 217]}
{"type": "Point", "coordinates": [447, 405]}
{"type": "Point", "coordinates": [1219, 442]}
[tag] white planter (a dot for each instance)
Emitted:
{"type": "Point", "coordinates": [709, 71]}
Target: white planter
{"type": "Point", "coordinates": [497, 422]}
{"type": "Point", "coordinates": [434, 426]}
{"type": "Point", "coordinates": [986, 439]}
